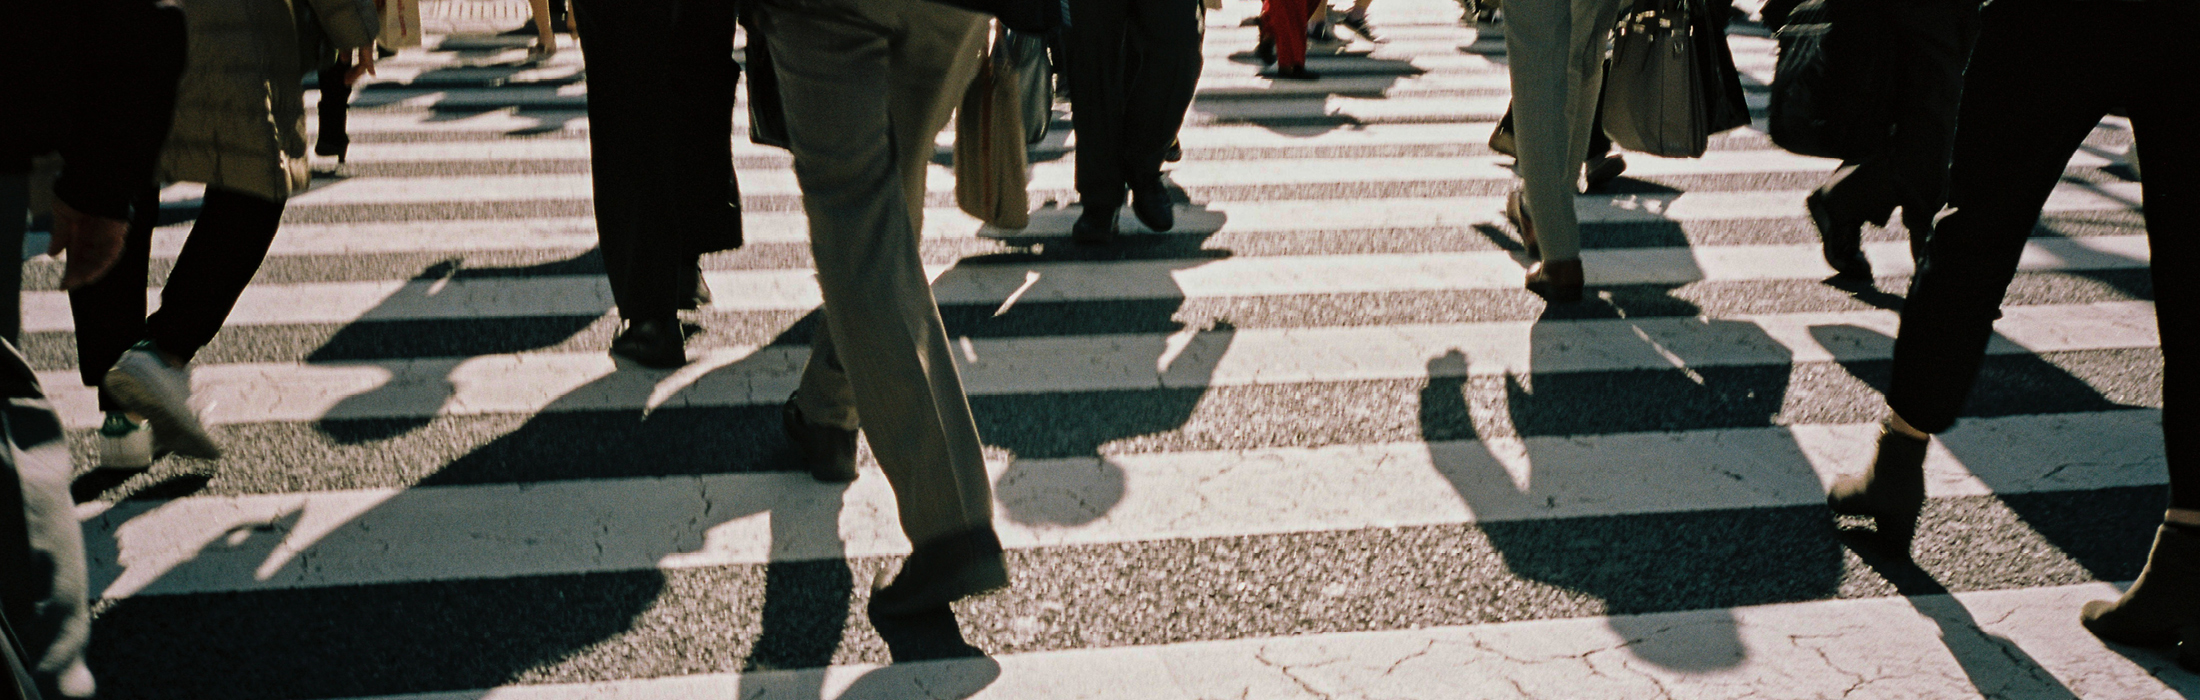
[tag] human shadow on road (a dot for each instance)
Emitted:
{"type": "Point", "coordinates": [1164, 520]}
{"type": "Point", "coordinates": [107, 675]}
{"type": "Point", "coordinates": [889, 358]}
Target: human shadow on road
{"type": "Point", "coordinates": [1660, 558]}
{"type": "Point", "coordinates": [429, 306]}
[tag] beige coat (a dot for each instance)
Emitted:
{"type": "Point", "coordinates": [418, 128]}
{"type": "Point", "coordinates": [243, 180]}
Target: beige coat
{"type": "Point", "coordinates": [240, 109]}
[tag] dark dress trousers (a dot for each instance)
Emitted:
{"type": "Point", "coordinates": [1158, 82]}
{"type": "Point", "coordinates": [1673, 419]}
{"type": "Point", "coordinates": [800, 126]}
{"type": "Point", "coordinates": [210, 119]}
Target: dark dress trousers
{"type": "Point", "coordinates": [2036, 90]}
{"type": "Point", "coordinates": [1127, 108]}
{"type": "Point", "coordinates": [660, 122]}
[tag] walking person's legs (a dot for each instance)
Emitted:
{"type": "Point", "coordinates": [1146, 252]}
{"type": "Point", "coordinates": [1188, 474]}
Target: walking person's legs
{"type": "Point", "coordinates": [868, 86]}
{"type": "Point", "coordinates": [109, 316]}
{"type": "Point", "coordinates": [1155, 100]}
{"type": "Point", "coordinates": [334, 139]}
{"type": "Point", "coordinates": [660, 108]}
{"type": "Point", "coordinates": [44, 592]}
{"type": "Point", "coordinates": [1933, 41]}
{"type": "Point", "coordinates": [1284, 22]}
{"type": "Point", "coordinates": [1097, 95]}
{"type": "Point", "coordinates": [1556, 58]}
{"type": "Point", "coordinates": [225, 249]}
{"type": "Point", "coordinates": [2164, 603]}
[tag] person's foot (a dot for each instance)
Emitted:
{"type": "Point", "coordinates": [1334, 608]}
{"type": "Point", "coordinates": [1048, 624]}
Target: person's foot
{"type": "Point", "coordinates": [1516, 213]}
{"type": "Point", "coordinates": [542, 50]}
{"type": "Point", "coordinates": [2162, 603]}
{"type": "Point", "coordinates": [335, 145]}
{"type": "Point", "coordinates": [1602, 170]}
{"type": "Point", "coordinates": [1174, 153]}
{"type": "Point", "coordinates": [652, 343]}
{"type": "Point", "coordinates": [1892, 491]}
{"type": "Point", "coordinates": [1296, 73]}
{"type": "Point", "coordinates": [1321, 32]}
{"type": "Point", "coordinates": [1094, 227]}
{"type": "Point", "coordinates": [1150, 202]}
{"type": "Point", "coordinates": [942, 571]}
{"type": "Point", "coordinates": [1358, 24]}
{"type": "Point", "coordinates": [1557, 281]}
{"type": "Point", "coordinates": [1265, 51]}
{"type": "Point", "coordinates": [148, 384]}
{"type": "Point", "coordinates": [1843, 242]}
{"type": "Point", "coordinates": [828, 452]}
{"type": "Point", "coordinates": [125, 444]}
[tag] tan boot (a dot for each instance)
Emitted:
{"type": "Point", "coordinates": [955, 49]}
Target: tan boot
{"type": "Point", "coordinates": [2165, 599]}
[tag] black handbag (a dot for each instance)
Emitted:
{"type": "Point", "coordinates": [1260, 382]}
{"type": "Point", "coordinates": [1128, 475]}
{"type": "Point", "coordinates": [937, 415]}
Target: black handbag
{"type": "Point", "coordinates": [1831, 87]}
{"type": "Point", "coordinates": [1725, 106]}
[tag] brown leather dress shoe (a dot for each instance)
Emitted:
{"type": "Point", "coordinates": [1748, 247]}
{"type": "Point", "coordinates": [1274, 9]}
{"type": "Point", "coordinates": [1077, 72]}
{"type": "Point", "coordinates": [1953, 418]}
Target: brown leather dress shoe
{"type": "Point", "coordinates": [1557, 281]}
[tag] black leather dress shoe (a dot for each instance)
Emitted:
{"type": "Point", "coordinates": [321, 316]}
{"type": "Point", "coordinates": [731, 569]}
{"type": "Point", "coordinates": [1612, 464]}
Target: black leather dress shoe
{"type": "Point", "coordinates": [1150, 202]}
{"type": "Point", "coordinates": [942, 571]}
{"type": "Point", "coordinates": [828, 452]}
{"type": "Point", "coordinates": [1843, 241]}
{"type": "Point", "coordinates": [1094, 227]}
{"type": "Point", "coordinates": [654, 343]}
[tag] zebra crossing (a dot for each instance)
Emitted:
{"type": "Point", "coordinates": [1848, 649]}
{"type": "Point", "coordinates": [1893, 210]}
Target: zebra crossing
{"type": "Point", "coordinates": [1315, 442]}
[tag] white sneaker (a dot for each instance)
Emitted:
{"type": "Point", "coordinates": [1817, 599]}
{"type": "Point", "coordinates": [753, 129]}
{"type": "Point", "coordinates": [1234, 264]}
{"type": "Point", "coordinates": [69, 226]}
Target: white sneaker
{"type": "Point", "coordinates": [124, 444]}
{"type": "Point", "coordinates": [150, 387]}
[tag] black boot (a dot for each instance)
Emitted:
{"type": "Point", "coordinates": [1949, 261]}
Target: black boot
{"type": "Point", "coordinates": [827, 451]}
{"type": "Point", "coordinates": [1892, 493]}
{"type": "Point", "coordinates": [1150, 201]}
{"type": "Point", "coordinates": [943, 571]}
{"type": "Point", "coordinates": [653, 343]}
{"type": "Point", "coordinates": [1094, 227]}
{"type": "Point", "coordinates": [1843, 241]}
{"type": "Point", "coordinates": [2165, 599]}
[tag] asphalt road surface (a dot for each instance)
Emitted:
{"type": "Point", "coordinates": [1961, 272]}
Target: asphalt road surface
{"type": "Point", "coordinates": [1316, 442]}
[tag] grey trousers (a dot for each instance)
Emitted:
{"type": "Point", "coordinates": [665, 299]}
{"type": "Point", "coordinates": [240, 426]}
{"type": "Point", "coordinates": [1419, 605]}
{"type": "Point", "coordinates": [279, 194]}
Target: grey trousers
{"type": "Point", "coordinates": [1555, 50]}
{"type": "Point", "coordinates": [868, 85]}
{"type": "Point", "coordinates": [44, 604]}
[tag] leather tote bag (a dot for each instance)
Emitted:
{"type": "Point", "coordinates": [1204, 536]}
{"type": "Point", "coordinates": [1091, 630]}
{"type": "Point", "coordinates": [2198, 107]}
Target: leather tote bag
{"type": "Point", "coordinates": [1830, 87]}
{"type": "Point", "coordinates": [1027, 54]}
{"type": "Point", "coordinates": [1653, 93]}
{"type": "Point", "coordinates": [990, 159]}
{"type": "Point", "coordinates": [1725, 105]}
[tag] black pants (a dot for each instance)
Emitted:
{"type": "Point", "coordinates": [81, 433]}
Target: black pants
{"type": "Point", "coordinates": [1125, 116]}
{"type": "Point", "coordinates": [660, 112]}
{"type": "Point", "coordinates": [335, 106]}
{"type": "Point", "coordinates": [1930, 41]}
{"type": "Point", "coordinates": [224, 251]}
{"type": "Point", "coordinates": [2036, 89]}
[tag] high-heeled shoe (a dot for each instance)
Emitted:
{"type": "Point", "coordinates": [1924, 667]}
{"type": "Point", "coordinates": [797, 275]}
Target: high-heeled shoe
{"type": "Point", "coordinates": [1892, 492]}
{"type": "Point", "coordinates": [1557, 281]}
{"type": "Point", "coordinates": [2163, 604]}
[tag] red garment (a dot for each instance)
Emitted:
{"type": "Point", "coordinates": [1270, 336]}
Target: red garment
{"type": "Point", "coordinates": [1285, 21]}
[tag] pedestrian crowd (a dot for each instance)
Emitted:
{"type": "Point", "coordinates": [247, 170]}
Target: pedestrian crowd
{"type": "Point", "coordinates": [1960, 117]}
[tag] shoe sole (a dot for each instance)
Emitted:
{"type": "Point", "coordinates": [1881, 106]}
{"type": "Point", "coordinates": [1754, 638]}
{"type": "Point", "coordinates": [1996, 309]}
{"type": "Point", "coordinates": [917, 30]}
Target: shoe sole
{"type": "Point", "coordinates": [184, 434]}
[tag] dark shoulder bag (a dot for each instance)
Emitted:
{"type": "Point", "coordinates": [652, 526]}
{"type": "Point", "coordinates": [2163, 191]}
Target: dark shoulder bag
{"type": "Point", "coordinates": [1830, 89]}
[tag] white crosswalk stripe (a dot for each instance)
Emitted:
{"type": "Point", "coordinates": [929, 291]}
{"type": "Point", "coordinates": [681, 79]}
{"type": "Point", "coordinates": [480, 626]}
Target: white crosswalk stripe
{"type": "Point", "coordinates": [1314, 442]}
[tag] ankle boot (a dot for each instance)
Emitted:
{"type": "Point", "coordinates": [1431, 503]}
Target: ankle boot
{"type": "Point", "coordinates": [2165, 599]}
{"type": "Point", "coordinates": [1892, 492]}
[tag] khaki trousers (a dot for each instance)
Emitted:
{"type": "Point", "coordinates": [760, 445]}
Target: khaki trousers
{"type": "Point", "coordinates": [868, 84]}
{"type": "Point", "coordinates": [1555, 50]}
